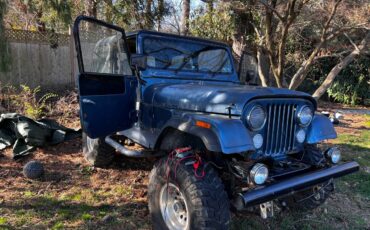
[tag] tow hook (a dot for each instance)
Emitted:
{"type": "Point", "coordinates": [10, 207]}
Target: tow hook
{"type": "Point", "coordinates": [267, 209]}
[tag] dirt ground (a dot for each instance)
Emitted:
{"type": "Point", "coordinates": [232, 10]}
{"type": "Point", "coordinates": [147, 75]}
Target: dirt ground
{"type": "Point", "coordinates": [72, 194]}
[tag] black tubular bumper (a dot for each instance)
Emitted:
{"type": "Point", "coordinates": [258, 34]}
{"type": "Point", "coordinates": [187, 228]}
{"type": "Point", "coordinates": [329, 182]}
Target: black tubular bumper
{"type": "Point", "coordinates": [289, 186]}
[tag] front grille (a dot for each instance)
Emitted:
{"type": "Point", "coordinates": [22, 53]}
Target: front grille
{"type": "Point", "coordinates": [280, 128]}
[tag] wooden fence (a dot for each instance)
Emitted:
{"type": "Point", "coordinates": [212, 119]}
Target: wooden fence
{"type": "Point", "coordinates": [43, 59]}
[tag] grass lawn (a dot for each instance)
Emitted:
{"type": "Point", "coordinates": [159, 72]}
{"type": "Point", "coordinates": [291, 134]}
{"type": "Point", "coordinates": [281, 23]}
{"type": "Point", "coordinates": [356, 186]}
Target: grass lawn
{"type": "Point", "coordinates": [73, 195]}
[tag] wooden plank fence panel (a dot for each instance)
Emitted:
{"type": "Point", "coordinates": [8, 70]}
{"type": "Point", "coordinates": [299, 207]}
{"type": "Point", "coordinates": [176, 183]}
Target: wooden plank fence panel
{"type": "Point", "coordinates": [40, 59]}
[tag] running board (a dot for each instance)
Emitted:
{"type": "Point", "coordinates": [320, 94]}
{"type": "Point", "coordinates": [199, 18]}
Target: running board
{"type": "Point", "coordinates": [128, 152]}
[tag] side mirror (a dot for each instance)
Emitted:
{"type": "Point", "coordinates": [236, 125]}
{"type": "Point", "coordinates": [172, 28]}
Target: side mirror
{"type": "Point", "coordinates": [139, 61]}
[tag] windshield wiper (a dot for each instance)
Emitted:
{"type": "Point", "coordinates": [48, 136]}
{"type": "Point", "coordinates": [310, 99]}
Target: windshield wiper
{"type": "Point", "coordinates": [192, 55]}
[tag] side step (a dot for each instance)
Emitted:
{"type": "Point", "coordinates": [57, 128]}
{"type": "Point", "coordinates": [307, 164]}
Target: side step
{"type": "Point", "coordinates": [129, 152]}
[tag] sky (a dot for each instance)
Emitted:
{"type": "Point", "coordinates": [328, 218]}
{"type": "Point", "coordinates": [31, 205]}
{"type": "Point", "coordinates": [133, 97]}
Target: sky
{"type": "Point", "coordinates": [193, 3]}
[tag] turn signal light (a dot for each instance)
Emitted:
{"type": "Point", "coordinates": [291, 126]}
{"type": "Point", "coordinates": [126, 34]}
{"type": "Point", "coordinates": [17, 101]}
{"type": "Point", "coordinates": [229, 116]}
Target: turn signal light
{"type": "Point", "coordinates": [203, 124]}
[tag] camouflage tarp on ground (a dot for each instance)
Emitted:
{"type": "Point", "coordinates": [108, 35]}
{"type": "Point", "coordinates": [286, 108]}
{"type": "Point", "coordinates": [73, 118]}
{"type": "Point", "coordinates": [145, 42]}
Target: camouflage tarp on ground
{"type": "Point", "coordinates": [25, 134]}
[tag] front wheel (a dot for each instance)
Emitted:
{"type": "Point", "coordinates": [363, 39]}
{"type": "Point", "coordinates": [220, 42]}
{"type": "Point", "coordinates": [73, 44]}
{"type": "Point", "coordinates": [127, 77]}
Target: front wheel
{"type": "Point", "coordinates": [96, 151]}
{"type": "Point", "coordinates": [180, 199]}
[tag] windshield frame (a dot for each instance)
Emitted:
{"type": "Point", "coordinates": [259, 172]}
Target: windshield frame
{"type": "Point", "coordinates": [148, 34]}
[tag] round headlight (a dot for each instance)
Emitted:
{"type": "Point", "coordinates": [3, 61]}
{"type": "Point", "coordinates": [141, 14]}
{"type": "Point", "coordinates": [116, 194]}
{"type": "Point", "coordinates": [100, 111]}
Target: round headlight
{"type": "Point", "coordinates": [301, 136]}
{"type": "Point", "coordinates": [259, 173]}
{"type": "Point", "coordinates": [257, 141]}
{"type": "Point", "coordinates": [334, 155]}
{"type": "Point", "coordinates": [305, 115]}
{"type": "Point", "coordinates": [256, 118]}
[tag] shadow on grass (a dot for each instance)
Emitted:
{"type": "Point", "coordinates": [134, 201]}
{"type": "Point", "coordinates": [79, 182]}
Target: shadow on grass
{"type": "Point", "coordinates": [52, 213]}
{"type": "Point", "coordinates": [126, 163]}
{"type": "Point", "coordinates": [359, 182]}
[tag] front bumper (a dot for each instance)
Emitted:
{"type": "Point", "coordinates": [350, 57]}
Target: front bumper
{"type": "Point", "coordinates": [292, 185]}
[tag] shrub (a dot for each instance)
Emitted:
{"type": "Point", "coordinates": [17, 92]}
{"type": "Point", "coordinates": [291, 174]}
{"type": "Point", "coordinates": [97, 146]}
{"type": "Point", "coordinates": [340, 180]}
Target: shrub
{"type": "Point", "coordinates": [351, 86]}
{"type": "Point", "coordinates": [32, 106]}
{"type": "Point", "coordinates": [26, 101]}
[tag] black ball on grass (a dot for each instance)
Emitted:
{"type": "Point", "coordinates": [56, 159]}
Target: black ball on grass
{"type": "Point", "coordinates": [33, 170]}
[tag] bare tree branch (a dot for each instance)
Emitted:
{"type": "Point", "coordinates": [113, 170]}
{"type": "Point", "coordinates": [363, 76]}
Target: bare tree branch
{"type": "Point", "coordinates": [351, 41]}
{"type": "Point", "coordinates": [301, 73]}
{"type": "Point", "coordinates": [340, 54]}
{"type": "Point", "coordinates": [327, 24]}
{"type": "Point", "coordinates": [272, 9]}
{"type": "Point", "coordinates": [341, 65]}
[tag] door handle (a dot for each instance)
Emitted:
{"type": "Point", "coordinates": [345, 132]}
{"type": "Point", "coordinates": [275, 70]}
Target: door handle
{"type": "Point", "coordinates": [88, 101]}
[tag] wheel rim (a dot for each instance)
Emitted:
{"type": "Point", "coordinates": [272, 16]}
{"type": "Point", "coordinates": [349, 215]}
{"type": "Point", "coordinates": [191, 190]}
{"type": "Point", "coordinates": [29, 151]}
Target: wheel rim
{"type": "Point", "coordinates": [174, 208]}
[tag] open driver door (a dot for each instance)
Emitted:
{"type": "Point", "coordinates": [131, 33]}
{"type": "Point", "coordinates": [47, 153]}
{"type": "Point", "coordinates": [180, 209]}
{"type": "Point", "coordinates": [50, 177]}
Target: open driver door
{"type": "Point", "coordinates": [107, 87]}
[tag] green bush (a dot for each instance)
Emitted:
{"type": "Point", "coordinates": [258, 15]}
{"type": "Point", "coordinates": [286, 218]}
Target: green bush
{"type": "Point", "coordinates": [26, 100]}
{"type": "Point", "coordinates": [351, 86]}
{"type": "Point", "coordinates": [217, 24]}
{"type": "Point", "coordinates": [32, 106]}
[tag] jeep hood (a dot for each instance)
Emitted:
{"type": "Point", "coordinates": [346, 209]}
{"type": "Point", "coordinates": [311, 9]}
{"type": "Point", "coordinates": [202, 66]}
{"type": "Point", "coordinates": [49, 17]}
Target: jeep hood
{"type": "Point", "coordinates": [213, 98]}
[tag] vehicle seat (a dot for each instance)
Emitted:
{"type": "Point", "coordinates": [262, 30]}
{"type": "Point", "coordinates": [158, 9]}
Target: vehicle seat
{"type": "Point", "coordinates": [179, 60]}
{"type": "Point", "coordinates": [212, 60]}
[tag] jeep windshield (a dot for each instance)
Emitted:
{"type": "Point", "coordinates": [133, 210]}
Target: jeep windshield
{"type": "Point", "coordinates": [186, 55]}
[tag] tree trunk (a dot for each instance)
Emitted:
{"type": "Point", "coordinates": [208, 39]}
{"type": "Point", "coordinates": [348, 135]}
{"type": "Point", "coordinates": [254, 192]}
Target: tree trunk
{"type": "Point", "coordinates": [160, 14]}
{"type": "Point", "coordinates": [238, 45]}
{"type": "Point", "coordinates": [41, 27]}
{"type": "Point", "coordinates": [301, 74]}
{"type": "Point", "coordinates": [210, 5]}
{"type": "Point", "coordinates": [108, 11]}
{"type": "Point", "coordinates": [90, 8]}
{"type": "Point", "coordinates": [148, 14]}
{"type": "Point", "coordinates": [5, 57]}
{"type": "Point", "coordinates": [263, 67]}
{"type": "Point", "coordinates": [243, 19]}
{"type": "Point", "coordinates": [185, 17]}
{"type": "Point", "coordinates": [338, 67]}
{"type": "Point", "coordinates": [268, 39]}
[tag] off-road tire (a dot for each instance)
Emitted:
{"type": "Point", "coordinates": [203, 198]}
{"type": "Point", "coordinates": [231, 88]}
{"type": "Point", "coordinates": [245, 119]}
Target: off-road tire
{"type": "Point", "coordinates": [207, 200]}
{"type": "Point", "coordinates": [97, 152]}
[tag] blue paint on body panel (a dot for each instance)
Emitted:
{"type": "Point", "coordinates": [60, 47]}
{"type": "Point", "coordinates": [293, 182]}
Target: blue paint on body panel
{"type": "Point", "coordinates": [320, 129]}
{"type": "Point", "coordinates": [177, 98]}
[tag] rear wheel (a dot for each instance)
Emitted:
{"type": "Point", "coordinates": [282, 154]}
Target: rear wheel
{"type": "Point", "coordinates": [96, 151]}
{"type": "Point", "coordinates": [186, 201]}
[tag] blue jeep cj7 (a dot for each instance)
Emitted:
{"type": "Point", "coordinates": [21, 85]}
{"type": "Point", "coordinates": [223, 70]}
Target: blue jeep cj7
{"type": "Point", "coordinates": [226, 145]}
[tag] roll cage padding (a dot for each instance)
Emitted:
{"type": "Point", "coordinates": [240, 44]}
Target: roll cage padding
{"type": "Point", "coordinates": [320, 129]}
{"type": "Point", "coordinates": [226, 135]}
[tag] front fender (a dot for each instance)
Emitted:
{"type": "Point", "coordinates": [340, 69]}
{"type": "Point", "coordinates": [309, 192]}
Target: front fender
{"type": "Point", "coordinates": [320, 129]}
{"type": "Point", "coordinates": [225, 135]}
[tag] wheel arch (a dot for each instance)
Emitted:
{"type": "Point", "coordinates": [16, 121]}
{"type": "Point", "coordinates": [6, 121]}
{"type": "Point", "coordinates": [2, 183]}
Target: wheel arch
{"type": "Point", "coordinates": [225, 135]}
{"type": "Point", "coordinates": [320, 129]}
{"type": "Point", "coordinates": [171, 136]}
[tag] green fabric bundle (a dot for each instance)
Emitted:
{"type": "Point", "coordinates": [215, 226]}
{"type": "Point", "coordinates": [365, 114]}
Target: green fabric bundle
{"type": "Point", "coordinates": [25, 134]}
